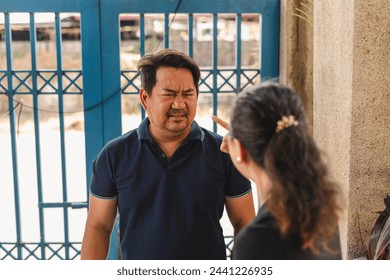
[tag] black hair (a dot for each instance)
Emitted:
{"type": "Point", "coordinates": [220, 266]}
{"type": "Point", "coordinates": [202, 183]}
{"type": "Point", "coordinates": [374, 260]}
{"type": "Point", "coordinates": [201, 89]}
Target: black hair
{"type": "Point", "coordinates": [150, 63]}
{"type": "Point", "coordinates": [302, 198]}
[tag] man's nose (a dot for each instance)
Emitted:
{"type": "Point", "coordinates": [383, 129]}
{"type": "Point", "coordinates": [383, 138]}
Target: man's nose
{"type": "Point", "coordinates": [178, 102]}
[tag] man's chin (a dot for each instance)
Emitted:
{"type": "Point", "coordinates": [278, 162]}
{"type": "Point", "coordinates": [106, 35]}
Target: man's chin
{"type": "Point", "coordinates": [178, 126]}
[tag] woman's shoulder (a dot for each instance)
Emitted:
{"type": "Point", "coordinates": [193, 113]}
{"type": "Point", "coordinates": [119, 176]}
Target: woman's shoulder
{"type": "Point", "coordinates": [259, 240]}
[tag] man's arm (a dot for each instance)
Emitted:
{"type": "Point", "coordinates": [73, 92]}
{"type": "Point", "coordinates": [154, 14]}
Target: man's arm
{"type": "Point", "coordinates": [100, 220]}
{"type": "Point", "coordinates": [240, 210]}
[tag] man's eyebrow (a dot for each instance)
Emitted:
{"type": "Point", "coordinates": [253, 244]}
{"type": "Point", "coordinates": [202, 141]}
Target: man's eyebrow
{"type": "Point", "coordinates": [170, 90]}
{"type": "Point", "coordinates": [175, 91]}
{"type": "Point", "coordinates": [188, 90]}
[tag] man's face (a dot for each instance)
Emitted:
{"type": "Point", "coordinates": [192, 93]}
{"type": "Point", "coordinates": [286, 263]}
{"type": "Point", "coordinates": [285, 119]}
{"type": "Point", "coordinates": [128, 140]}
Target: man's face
{"type": "Point", "coordinates": [171, 107]}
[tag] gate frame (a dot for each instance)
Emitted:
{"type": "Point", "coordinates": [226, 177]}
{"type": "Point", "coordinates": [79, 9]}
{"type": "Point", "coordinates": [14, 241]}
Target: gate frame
{"type": "Point", "coordinates": [89, 11]}
{"type": "Point", "coordinates": [101, 74]}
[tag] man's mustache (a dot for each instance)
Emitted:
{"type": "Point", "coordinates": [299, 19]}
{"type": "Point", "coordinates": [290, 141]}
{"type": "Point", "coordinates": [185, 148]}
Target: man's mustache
{"type": "Point", "coordinates": [175, 113]}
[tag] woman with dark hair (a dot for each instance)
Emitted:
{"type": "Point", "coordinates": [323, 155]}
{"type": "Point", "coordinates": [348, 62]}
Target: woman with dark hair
{"type": "Point", "coordinates": [269, 143]}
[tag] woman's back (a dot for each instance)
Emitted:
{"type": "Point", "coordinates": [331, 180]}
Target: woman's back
{"type": "Point", "coordinates": [261, 240]}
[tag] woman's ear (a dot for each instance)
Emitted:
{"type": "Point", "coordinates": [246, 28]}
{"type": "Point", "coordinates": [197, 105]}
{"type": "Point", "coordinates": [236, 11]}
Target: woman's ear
{"type": "Point", "coordinates": [143, 95]}
{"type": "Point", "coordinates": [240, 150]}
{"type": "Point", "coordinates": [243, 152]}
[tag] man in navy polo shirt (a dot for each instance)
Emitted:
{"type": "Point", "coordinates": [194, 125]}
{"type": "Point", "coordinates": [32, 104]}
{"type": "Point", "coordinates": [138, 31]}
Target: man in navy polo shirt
{"type": "Point", "coordinates": [168, 178]}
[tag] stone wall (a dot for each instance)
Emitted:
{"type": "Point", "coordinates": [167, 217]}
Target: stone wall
{"type": "Point", "coordinates": [296, 54]}
{"type": "Point", "coordinates": [351, 105]}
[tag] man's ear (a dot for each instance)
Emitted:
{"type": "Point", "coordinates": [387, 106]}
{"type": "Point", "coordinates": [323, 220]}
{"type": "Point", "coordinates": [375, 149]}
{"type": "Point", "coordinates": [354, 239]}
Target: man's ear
{"type": "Point", "coordinates": [143, 95]}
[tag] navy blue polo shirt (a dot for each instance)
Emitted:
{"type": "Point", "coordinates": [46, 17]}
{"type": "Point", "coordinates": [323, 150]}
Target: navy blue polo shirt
{"type": "Point", "coordinates": [169, 207]}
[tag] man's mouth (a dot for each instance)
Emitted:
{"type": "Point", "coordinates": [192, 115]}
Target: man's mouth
{"type": "Point", "coordinates": [177, 114]}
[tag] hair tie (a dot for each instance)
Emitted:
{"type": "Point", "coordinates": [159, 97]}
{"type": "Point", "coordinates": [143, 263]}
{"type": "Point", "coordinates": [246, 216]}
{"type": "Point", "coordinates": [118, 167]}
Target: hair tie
{"type": "Point", "coordinates": [286, 122]}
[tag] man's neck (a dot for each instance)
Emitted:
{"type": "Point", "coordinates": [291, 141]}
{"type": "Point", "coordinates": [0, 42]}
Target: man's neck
{"type": "Point", "coordinates": [168, 141]}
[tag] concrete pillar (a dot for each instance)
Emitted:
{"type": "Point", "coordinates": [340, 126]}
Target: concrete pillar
{"type": "Point", "coordinates": [296, 51]}
{"type": "Point", "coordinates": [351, 124]}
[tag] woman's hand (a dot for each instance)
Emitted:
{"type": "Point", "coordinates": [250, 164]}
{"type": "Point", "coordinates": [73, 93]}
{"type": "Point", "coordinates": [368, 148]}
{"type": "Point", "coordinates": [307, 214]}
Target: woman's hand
{"type": "Point", "coordinates": [224, 145]}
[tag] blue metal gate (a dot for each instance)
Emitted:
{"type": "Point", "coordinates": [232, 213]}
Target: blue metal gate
{"type": "Point", "coordinates": [105, 85]}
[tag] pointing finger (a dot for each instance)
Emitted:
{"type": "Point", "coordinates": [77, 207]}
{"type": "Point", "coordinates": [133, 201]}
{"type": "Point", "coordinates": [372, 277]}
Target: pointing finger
{"type": "Point", "coordinates": [221, 122]}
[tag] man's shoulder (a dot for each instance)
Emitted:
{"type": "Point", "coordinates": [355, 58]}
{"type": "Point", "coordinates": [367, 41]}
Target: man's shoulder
{"type": "Point", "coordinates": [211, 136]}
{"type": "Point", "coordinates": [126, 139]}
{"type": "Point", "coordinates": [211, 143]}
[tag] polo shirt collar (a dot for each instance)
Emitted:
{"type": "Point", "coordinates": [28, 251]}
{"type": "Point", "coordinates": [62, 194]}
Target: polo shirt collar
{"type": "Point", "coordinates": [143, 133]}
